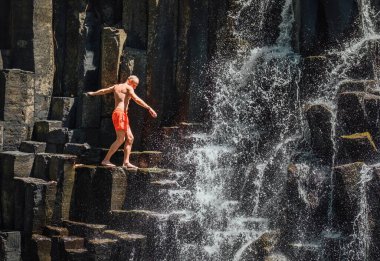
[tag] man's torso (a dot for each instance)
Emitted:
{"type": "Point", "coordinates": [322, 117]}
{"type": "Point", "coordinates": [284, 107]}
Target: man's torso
{"type": "Point", "coordinates": [122, 97]}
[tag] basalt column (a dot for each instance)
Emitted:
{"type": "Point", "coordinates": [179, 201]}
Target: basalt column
{"type": "Point", "coordinates": [134, 60]}
{"type": "Point", "coordinates": [79, 54]}
{"type": "Point", "coordinates": [16, 106]}
{"type": "Point", "coordinates": [32, 47]}
{"type": "Point", "coordinates": [192, 58]}
{"type": "Point", "coordinates": [162, 94]}
{"type": "Point", "coordinates": [111, 48]}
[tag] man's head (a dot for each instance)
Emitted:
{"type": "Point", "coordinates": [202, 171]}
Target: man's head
{"type": "Point", "coordinates": [133, 81]}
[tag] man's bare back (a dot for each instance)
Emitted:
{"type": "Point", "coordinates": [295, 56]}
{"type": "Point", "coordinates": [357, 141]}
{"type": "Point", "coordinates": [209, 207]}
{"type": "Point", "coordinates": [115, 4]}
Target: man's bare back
{"type": "Point", "coordinates": [122, 96]}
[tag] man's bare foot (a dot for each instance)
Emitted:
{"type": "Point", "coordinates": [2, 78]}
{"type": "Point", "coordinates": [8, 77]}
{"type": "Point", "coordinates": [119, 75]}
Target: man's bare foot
{"type": "Point", "coordinates": [129, 166]}
{"type": "Point", "coordinates": [107, 164]}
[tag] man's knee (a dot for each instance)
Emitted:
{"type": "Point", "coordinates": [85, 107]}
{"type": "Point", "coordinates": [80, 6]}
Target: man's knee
{"type": "Point", "coordinates": [120, 140]}
{"type": "Point", "coordinates": [129, 139]}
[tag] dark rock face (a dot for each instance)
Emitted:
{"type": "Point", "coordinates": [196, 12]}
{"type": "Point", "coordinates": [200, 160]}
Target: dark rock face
{"type": "Point", "coordinates": [10, 246]}
{"type": "Point", "coordinates": [319, 118]}
{"type": "Point", "coordinates": [17, 107]}
{"type": "Point", "coordinates": [32, 45]}
{"type": "Point", "coordinates": [307, 193]}
{"type": "Point", "coordinates": [321, 23]}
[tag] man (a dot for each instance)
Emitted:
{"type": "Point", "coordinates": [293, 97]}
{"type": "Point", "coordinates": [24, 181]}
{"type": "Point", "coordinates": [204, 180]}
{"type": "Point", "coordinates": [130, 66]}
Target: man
{"type": "Point", "coordinates": [122, 94]}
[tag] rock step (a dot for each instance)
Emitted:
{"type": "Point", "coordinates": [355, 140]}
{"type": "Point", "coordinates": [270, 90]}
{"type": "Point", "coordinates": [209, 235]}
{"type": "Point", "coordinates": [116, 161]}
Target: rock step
{"type": "Point", "coordinates": [304, 251]}
{"type": "Point", "coordinates": [85, 230]}
{"type": "Point", "coordinates": [99, 189]}
{"type": "Point", "coordinates": [168, 200]}
{"type": "Point", "coordinates": [52, 166]}
{"type": "Point", "coordinates": [131, 246]}
{"type": "Point", "coordinates": [42, 128]}
{"type": "Point", "coordinates": [32, 147]}
{"type": "Point", "coordinates": [158, 228]}
{"type": "Point", "coordinates": [89, 155]}
{"type": "Point", "coordinates": [151, 190]}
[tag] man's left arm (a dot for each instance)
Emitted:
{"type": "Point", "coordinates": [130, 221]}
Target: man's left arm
{"type": "Point", "coordinates": [140, 102]}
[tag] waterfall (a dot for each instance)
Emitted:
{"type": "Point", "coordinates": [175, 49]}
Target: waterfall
{"type": "Point", "coordinates": [257, 130]}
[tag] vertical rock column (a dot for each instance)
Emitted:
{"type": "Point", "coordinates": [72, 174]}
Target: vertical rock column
{"type": "Point", "coordinates": [4, 24]}
{"type": "Point", "coordinates": [12, 164]}
{"type": "Point", "coordinates": [192, 58]}
{"type": "Point", "coordinates": [162, 54]}
{"type": "Point", "coordinates": [32, 47]}
{"type": "Point", "coordinates": [112, 47]}
{"type": "Point", "coordinates": [16, 106]}
{"type": "Point", "coordinates": [134, 60]}
{"type": "Point", "coordinates": [79, 59]}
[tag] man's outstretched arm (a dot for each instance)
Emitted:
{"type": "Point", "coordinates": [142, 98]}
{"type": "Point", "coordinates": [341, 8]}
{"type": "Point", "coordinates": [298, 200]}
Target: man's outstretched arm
{"type": "Point", "coordinates": [102, 91]}
{"type": "Point", "coordinates": [140, 102]}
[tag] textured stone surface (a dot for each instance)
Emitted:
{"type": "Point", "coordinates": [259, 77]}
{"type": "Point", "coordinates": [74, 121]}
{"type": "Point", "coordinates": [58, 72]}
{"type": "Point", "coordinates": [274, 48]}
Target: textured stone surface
{"type": "Point", "coordinates": [347, 187]}
{"type": "Point", "coordinates": [77, 254]}
{"type": "Point", "coordinates": [62, 243]}
{"type": "Point", "coordinates": [131, 246]}
{"type": "Point", "coordinates": [18, 111]}
{"type": "Point", "coordinates": [311, 14]}
{"type": "Point", "coordinates": [109, 191]}
{"type": "Point", "coordinates": [192, 58]}
{"type": "Point", "coordinates": [358, 112]}
{"type": "Point", "coordinates": [40, 199]}
{"type": "Point", "coordinates": [83, 199]}
{"type": "Point", "coordinates": [138, 185]}
{"type": "Point", "coordinates": [161, 55]}
{"type": "Point", "coordinates": [51, 231]}
{"type": "Point", "coordinates": [32, 147]}
{"type": "Point", "coordinates": [18, 106]}
{"type": "Point", "coordinates": [13, 164]}
{"type": "Point", "coordinates": [62, 170]}
{"type": "Point", "coordinates": [319, 118]}
{"type": "Point", "coordinates": [33, 50]}
{"type": "Point", "coordinates": [112, 47]}
{"type": "Point", "coordinates": [42, 129]}
{"type": "Point", "coordinates": [41, 248]}
{"type": "Point", "coordinates": [357, 147]}
{"type": "Point", "coordinates": [102, 249]}
{"type": "Point", "coordinates": [85, 230]}
{"type": "Point", "coordinates": [63, 109]}
{"type": "Point", "coordinates": [88, 112]}
{"type": "Point", "coordinates": [1, 135]}
{"type": "Point", "coordinates": [151, 224]}
{"type": "Point", "coordinates": [81, 49]}
{"type": "Point", "coordinates": [10, 246]}
{"type": "Point", "coordinates": [136, 25]}
{"type": "Point", "coordinates": [307, 194]}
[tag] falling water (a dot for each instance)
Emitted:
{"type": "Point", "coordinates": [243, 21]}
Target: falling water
{"type": "Point", "coordinates": [257, 101]}
{"type": "Point", "coordinates": [358, 247]}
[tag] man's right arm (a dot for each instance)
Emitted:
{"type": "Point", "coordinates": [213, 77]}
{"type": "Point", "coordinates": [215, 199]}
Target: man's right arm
{"type": "Point", "coordinates": [102, 91]}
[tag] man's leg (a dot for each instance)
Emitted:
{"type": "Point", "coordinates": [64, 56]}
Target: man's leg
{"type": "Point", "coordinates": [115, 145]}
{"type": "Point", "coordinates": [128, 148]}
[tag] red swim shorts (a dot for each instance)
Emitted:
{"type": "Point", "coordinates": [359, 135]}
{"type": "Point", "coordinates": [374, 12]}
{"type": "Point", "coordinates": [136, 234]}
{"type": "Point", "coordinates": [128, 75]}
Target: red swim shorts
{"type": "Point", "coordinates": [120, 120]}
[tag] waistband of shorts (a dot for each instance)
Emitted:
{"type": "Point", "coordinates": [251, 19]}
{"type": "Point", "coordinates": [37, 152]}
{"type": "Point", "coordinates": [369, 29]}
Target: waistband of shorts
{"type": "Point", "coordinates": [119, 110]}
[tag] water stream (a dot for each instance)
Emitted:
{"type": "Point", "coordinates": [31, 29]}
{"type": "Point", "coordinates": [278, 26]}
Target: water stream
{"type": "Point", "coordinates": [258, 128]}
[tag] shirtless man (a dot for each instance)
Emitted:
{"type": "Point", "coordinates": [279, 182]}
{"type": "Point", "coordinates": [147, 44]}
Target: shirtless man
{"type": "Point", "coordinates": [123, 93]}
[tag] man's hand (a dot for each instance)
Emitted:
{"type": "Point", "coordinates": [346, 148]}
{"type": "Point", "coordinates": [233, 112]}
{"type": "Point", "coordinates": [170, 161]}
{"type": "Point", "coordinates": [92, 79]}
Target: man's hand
{"type": "Point", "coordinates": [152, 112]}
{"type": "Point", "coordinates": [90, 93]}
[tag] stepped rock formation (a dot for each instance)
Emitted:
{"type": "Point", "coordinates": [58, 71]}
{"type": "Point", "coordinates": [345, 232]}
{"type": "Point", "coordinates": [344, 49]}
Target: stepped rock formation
{"type": "Point", "coordinates": [266, 145]}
